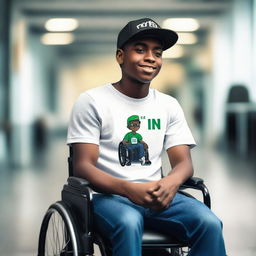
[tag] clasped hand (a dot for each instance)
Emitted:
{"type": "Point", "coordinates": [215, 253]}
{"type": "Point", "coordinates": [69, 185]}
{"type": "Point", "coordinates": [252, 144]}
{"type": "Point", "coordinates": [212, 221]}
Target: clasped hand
{"type": "Point", "coordinates": [155, 195]}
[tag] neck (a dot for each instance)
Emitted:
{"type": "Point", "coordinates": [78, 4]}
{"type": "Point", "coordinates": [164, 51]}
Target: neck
{"type": "Point", "coordinates": [132, 89]}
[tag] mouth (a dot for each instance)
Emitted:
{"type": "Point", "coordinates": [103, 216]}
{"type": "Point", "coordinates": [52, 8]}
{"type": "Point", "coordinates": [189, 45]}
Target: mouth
{"type": "Point", "coordinates": [148, 68]}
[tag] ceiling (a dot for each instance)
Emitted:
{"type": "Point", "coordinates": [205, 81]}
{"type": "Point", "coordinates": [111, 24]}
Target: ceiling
{"type": "Point", "coordinates": [101, 20]}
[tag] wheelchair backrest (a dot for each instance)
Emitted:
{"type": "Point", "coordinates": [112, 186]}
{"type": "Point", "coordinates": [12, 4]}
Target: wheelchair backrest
{"type": "Point", "coordinates": [70, 162]}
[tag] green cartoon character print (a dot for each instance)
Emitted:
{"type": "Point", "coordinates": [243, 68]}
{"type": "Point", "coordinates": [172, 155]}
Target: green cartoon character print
{"type": "Point", "coordinates": [132, 148]}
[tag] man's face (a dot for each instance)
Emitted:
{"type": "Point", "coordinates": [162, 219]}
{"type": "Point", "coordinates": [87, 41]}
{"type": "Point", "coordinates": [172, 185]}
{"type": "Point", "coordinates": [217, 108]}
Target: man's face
{"type": "Point", "coordinates": [142, 60]}
{"type": "Point", "coordinates": [134, 126]}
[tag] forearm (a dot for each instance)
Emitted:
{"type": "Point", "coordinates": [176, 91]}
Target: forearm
{"type": "Point", "coordinates": [181, 172]}
{"type": "Point", "coordinates": [100, 180]}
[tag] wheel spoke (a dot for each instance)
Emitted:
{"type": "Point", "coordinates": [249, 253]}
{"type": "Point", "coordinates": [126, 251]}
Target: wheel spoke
{"type": "Point", "coordinates": [57, 240]}
{"type": "Point", "coordinates": [57, 235]}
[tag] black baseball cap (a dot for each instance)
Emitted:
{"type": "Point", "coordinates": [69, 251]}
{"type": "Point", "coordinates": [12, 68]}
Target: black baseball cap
{"type": "Point", "coordinates": [137, 29]}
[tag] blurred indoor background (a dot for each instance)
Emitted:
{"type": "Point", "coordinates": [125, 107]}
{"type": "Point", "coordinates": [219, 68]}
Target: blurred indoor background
{"type": "Point", "coordinates": [52, 50]}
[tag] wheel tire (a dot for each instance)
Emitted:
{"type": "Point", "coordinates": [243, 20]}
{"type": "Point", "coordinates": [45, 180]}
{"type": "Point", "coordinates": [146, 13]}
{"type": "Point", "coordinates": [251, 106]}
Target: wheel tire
{"type": "Point", "coordinates": [122, 154]}
{"type": "Point", "coordinates": [58, 234]}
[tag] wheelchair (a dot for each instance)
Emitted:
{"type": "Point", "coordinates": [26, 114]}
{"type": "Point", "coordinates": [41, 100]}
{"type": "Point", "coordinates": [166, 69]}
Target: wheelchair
{"type": "Point", "coordinates": [127, 156]}
{"type": "Point", "coordinates": [67, 228]}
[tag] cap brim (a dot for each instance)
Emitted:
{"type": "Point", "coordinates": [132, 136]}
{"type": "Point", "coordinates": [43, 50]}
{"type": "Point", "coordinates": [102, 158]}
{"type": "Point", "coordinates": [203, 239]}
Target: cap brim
{"type": "Point", "coordinates": [166, 36]}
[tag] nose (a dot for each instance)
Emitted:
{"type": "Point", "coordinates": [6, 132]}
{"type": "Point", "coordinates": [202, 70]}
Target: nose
{"type": "Point", "coordinates": [149, 56]}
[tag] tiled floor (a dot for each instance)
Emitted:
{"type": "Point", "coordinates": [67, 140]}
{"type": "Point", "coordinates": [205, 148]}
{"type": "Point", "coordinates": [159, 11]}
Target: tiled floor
{"type": "Point", "coordinates": [26, 193]}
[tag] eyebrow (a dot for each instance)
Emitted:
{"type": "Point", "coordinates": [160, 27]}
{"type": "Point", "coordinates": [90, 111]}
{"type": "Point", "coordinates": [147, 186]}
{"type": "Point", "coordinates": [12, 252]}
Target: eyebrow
{"type": "Point", "coordinates": [145, 45]}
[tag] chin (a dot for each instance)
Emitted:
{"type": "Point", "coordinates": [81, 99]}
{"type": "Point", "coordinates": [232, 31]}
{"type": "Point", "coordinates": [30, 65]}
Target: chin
{"type": "Point", "coordinates": [146, 80]}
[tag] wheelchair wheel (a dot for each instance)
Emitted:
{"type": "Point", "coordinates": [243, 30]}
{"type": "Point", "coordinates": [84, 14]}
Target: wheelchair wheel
{"type": "Point", "coordinates": [58, 232]}
{"type": "Point", "coordinates": [122, 153]}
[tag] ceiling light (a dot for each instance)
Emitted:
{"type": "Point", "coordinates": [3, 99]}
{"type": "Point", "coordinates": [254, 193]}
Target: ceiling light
{"type": "Point", "coordinates": [61, 24]}
{"type": "Point", "coordinates": [187, 38]}
{"type": "Point", "coordinates": [174, 52]}
{"type": "Point", "coordinates": [57, 38]}
{"type": "Point", "coordinates": [181, 24]}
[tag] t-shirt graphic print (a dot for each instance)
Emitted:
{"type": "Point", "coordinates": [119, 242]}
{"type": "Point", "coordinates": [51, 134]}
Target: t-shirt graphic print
{"type": "Point", "coordinates": [132, 149]}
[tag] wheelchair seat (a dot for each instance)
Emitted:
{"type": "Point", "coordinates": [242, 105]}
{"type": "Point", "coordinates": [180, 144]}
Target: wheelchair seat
{"type": "Point", "coordinates": [67, 227]}
{"type": "Point", "coordinates": [154, 238]}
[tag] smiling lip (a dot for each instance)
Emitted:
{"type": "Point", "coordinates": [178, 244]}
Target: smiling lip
{"type": "Point", "coordinates": [148, 68]}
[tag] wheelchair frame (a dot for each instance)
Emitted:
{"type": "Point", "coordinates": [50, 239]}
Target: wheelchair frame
{"type": "Point", "coordinates": [75, 210]}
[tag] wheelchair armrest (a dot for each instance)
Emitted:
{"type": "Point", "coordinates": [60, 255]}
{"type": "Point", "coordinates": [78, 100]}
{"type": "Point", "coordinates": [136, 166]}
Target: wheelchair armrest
{"type": "Point", "coordinates": [193, 182]}
{"type": "Point", "coordinates": [198, 184]}
{"type": "Point", "coordinates": [80, 184]}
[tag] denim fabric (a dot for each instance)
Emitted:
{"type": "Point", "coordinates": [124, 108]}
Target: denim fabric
{"type": "Point", "coordinates": [139, 147]}
{"type": "Point", "coordinates": [186, 218]}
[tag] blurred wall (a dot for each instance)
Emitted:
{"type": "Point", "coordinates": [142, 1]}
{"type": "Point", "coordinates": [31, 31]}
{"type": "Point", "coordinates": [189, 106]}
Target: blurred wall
{"type": "Point", "coordinates": [4, 78]}
{"type": "Point", "coordinates": [30, 88]}
{"type": "Point", "coordinates": [232, 49]}
{"type": "Point", "coordinates": [44, 83]}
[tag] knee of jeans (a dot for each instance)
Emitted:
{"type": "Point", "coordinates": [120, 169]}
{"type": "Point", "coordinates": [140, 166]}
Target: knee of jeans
{"type": "Point", "coordinates": [212, 223]}
{"type": "Point", "coordinates": [131, 221]}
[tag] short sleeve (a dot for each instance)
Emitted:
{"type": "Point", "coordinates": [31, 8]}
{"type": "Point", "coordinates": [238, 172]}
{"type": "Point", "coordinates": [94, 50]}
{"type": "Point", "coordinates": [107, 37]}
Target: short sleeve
{"type": "Point", "coordinates": [85, 123]}
{"type": "Point", "coordinates": [177, 130]}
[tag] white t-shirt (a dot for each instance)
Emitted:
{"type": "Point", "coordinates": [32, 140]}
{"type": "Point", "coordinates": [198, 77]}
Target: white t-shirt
{"type": "Point", "coordinates": [100, 117]}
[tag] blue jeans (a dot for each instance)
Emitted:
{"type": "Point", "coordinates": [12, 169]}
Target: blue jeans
{"type": "Point", "coordinates": [186, 218]}
{"type": "Point", "coordinates": [139, 147]}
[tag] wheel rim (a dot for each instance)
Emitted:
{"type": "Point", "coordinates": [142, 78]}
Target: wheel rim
{"type": "Point", "coordinates": [58, 237]}
{"type": "Point", "coordinates": [57, 240]}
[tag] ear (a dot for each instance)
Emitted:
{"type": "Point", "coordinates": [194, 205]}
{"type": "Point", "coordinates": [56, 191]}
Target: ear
{"type": "Point", "coordinates": [120, 56]}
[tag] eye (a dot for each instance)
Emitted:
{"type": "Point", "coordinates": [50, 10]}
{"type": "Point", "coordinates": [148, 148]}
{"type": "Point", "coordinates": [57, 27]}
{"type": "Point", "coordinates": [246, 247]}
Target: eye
{"type": "Point", "coordinates": [158, 54]}
{"type": "Point", "coordinates": [139, 50]}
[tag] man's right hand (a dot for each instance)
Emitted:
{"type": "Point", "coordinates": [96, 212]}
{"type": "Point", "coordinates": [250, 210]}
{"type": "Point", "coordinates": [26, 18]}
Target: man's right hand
{"type": "Point", "coordinates": [139, 194]}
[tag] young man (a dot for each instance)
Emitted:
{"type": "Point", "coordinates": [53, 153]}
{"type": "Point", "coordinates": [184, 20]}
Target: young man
{"type": "Point", "coordinates": [135, 195]}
